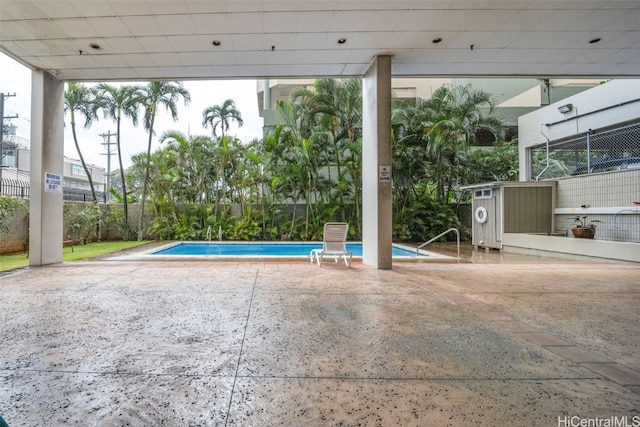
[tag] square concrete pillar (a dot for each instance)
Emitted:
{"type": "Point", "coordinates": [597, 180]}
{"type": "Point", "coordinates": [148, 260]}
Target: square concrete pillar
{"type": "Point", "coordinates": [377, 225]}
{"type": "Point", "coordinates": [47, 160]}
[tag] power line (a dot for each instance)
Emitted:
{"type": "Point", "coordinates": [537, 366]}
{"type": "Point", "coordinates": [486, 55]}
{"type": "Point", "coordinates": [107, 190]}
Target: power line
{"type": "Point", "coordinates": [107, 145]}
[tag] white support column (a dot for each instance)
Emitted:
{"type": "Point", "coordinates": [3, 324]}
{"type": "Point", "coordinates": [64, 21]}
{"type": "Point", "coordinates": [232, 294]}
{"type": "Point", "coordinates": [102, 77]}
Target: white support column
{"type": "Point", "coordinates": [47, 157]}
{"type": "Point", "coordinates": [377, 225]}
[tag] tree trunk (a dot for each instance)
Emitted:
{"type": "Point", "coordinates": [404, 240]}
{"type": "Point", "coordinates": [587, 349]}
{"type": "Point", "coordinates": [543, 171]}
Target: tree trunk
{"type": "Point", "coordinates": [84, 165]}
{"type": "Point", "coordinates": [146, 178]}
{"type": "Point", "coordinates": [125, 235]}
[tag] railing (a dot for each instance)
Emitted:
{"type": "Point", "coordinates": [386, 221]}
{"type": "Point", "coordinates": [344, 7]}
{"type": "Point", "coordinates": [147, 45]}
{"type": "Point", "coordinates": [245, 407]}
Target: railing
{"type": "Point", "coordinates": [14, 187]}
{"type": "Point", "coordinates": [208, 237]}
{"type": "Point", "coordinates": [439, 236]}
{"type": "Point", "coordinates": [21, 189]}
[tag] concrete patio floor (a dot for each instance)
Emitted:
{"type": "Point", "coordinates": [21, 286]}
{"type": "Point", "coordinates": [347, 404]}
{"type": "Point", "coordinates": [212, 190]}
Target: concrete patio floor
{"type": "Point", "coordinates": [502, 340]}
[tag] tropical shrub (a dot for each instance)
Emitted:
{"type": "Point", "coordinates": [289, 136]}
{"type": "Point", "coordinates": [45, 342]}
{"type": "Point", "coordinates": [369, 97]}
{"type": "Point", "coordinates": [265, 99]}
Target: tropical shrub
{"type": "Point", "coordinates": [9, 206]}
{"type": "Point", "coordinates": [83, 221]}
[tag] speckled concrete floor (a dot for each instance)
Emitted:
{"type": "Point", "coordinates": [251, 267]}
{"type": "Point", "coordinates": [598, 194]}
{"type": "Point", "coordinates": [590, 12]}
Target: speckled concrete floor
{"type": "Point", "coordinates": [117, 342]}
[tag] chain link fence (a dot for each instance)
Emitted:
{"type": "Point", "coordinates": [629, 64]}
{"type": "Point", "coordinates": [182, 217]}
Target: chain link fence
{"type": "Point", "coordinates": [604, 150]}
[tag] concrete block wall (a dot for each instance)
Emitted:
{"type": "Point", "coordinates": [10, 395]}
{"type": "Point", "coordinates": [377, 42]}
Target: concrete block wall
{"type": "Point", "coordinates": [18, 235]}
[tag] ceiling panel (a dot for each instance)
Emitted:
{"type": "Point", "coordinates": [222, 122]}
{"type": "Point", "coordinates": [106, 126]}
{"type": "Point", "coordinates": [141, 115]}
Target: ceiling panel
{"type": "Point", "coordinates": [304, 40]}
{"type": "Point", "coordinates": [175, 24]}
{"type": "Point", "coordinates": [109, 26]}
{"type": "Point", "coordinates": [86, 8]}
{"type": "Point", "coordinates": [122, 73]}
{"type": "Point", "coordinates": [279, 42]}
{"type": "Point", "coordinates": [143, 26]}
{"type": "Point", "coordinates": [222, 58]}
{"type": "Point", "coordinates": [121, 45]}
{"type": "Point", "coordinates": [206, 7]}
{"type": "Point", "coordinates": [249, 57]}
{"type": "Point", "coordinates": [252, 42]}
{"type": "Point", "coordinates": [154, 44]}
{"type": "Point", "coordinates": [84, 61]}
{"type": "Point", "coordinates": [136, 60]}
{"type": "Point", "coordinates": [240, 23]}
{"type": "Point", "coordinates": [165, 59]}
{"type": "Point", "coordinates": [163, 38]}
{"type": "Point", "coordinates": [169, 7]}
{"type": "Point", "coordinates": [76, 27]}
{"type": "Point", "coordinates": [15, 30]}
{"type": "Point", "coordinates": [131, 7]}
{"type": "Point", "coordinates": [280, 22]}
{"type": "Point", "coordinates": [619, 56]}
{"type": "Point", "coordinates": [188, 59]}
{"type": "Point", "coordinates": [110, 61]}
{"type": "Point", "coordinates": [603, 20]}
{"type": "Point", "coordinates": [26, 30]}
{"type": "Point", "coordinates": [188, 43]}
{"type": "Point", "coordinates": [15, 10]}
{"type": "Point", "coordinates": [526, 20]}
{"type": "Point", "coordinates": [315, 21]}
{"type": "Point", "coordinates": [210, 23]}
{"type": "Point", "coordinates": [626, 40]}
{"type": "Point", "coordinates": [58, 9]}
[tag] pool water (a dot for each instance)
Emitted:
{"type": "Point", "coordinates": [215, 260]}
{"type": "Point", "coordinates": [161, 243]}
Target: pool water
{"type": "Point", "coordinates": [262, 249]}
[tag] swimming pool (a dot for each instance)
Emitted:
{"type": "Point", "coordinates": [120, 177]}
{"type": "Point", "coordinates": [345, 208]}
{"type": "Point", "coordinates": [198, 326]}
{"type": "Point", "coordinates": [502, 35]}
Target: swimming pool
{"type": "Point", "coordinates": [264, 249]}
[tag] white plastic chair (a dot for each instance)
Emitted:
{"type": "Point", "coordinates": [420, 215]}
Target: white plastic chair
{"type": "Point", "coordinates": [334, 244]}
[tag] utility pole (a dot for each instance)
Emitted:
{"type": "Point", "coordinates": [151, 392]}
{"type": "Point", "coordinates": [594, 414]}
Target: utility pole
{"type": "Point", "coordinates": [2, 117]}
{"type": "Point", "coordinates": [107, 145]}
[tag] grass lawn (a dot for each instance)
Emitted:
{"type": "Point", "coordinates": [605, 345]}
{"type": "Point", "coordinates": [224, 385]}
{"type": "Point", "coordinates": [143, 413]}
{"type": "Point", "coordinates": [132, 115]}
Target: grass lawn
{"type": "Point", "coordinates": [19, 260]}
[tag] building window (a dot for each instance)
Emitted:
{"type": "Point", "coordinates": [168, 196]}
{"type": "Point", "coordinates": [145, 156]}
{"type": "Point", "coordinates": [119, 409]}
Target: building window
{"type": "Point", "coordinates": [485, 193]}
{"type": "Point", "coordinates": [78, 170]}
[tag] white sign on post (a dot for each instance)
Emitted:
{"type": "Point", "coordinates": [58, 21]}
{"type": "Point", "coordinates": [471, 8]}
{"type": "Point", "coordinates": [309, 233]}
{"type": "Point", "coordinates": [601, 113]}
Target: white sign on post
{"type": "Point", "coordinates": [384, 173]}
{"type": "Point", "coordinates": [52, 182]}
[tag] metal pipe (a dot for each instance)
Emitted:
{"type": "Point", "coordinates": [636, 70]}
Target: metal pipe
{"type": "Point", "coordinates": [440, 235]}
{"type": "Point", "coordinates": [589, 150]}
{"type": "Point", "coordinates": [547, 147]}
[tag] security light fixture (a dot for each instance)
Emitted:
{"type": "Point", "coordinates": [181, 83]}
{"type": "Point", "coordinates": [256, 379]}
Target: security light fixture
{"type": "Point", "coordinates": [216, 43]}
{"type": "Point", "coordinates": [342, 40]}
{"type": "Point", "coordinates": [565, 108]}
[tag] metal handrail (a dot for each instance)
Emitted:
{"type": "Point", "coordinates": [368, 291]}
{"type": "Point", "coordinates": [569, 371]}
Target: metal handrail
{"type": "Point", "coordinates": [439, 236]}
{"type": "Point", "coordinates": [208, 237]}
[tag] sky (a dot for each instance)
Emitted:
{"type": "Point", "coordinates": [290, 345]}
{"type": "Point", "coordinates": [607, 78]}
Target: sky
{"type": "Point", "coordinates": [15, 78]}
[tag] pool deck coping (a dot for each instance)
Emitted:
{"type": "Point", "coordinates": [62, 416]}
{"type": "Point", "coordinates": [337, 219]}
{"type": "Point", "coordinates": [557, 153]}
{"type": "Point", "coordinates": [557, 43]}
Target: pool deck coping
{"type": "Point", "coordinates": [151, 255]}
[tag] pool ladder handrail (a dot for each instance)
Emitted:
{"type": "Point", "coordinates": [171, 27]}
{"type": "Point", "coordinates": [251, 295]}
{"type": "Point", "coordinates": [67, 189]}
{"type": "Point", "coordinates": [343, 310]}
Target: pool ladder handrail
{"type": "Point", "coordinates": [439, 236]}
{"type": "Point", "coordinates": [208, 237]}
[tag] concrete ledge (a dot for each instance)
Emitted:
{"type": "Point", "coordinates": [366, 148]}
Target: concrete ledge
{"type": "Point", "coordinates": [569, 247]}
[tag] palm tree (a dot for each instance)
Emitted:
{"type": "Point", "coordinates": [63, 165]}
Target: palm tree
{"type": "Point", "coordinates": [452, 118]}
{"type": "Point", "coordinates": [221, 115]}
{"type": "Point", "coordinates": [155, 94]}
{"type": "Point", "coordinates": [117, 102]}
{"type": "Point", "coordinates": [334, 109]}
{"type": "Point", "coordinates": [81, 99]}
{"type": "Point", "coordinates": [193, 161]}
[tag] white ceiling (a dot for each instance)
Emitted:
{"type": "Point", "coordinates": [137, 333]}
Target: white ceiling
{"type": "Point", "coordinates": [172, 39]}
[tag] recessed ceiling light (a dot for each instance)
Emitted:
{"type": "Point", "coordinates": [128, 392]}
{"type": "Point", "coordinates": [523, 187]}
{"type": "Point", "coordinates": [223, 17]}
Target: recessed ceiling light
{"type": "Point", "coordinates": [216, 42]}
{"type": "Point", "coordinates": [95, 46]}
{"type": "Point", "coordinates": [436, 40]}
{"type": "Point", "coordinates": [596, 40]}
{"type": "Point", "coordinates": [342, 40]}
